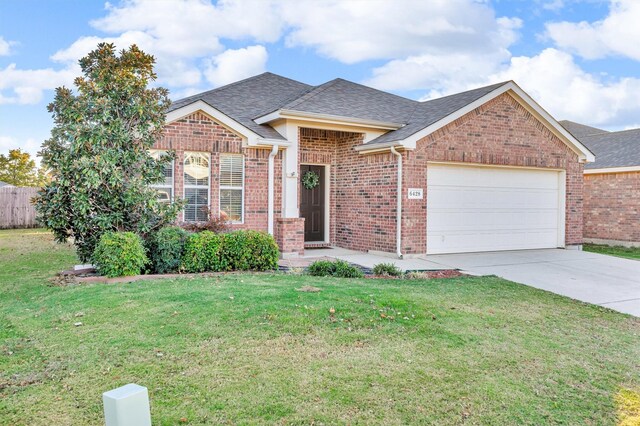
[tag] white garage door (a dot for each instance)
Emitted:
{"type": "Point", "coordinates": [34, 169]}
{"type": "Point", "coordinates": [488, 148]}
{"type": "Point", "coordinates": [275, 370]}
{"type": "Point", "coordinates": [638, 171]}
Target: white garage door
{"type": "Point", "coordinates": [472, 209]}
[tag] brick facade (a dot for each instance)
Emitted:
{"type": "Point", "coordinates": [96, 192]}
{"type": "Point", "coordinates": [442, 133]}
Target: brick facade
{"type": "Point", "coordinates": [199, 132]}
{"type": "Point", "coordinates": [612, 206]}
{"type": "Point", "coordinates": [362, 191]}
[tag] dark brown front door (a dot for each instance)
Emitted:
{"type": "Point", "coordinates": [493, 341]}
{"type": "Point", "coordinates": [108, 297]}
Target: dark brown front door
{"type": "Point", "coordinates": [312, 205]}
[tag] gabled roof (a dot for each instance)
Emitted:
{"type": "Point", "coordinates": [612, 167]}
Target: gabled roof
{"type": "Point", "coordinates": [347, 99]}
{"type": "Point", "coordinates": [249, 98]}
{"type": "Point", "coordinates": [428, 112]}
{"type": "Point", "coordinates": [248, 106]}
{"type": "Point", "coordinates": [579, 130]}
{"type": "Point", "coordinates": [5, 185]}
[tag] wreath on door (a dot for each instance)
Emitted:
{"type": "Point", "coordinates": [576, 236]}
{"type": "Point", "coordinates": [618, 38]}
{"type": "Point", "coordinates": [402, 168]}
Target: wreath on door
{"type": "Point", "coordinates": [310, 179]}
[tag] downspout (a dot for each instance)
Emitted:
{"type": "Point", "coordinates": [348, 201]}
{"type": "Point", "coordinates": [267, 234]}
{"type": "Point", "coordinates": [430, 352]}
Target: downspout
{"type": "Point", "coordinates": [271, 190]}
{"type": "Point", "coordinates": [399, 206]}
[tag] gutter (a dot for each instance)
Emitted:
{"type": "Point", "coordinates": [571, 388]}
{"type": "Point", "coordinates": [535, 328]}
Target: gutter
{"type": "Point", "coordinates": [271, 190]}
{"type": "Point", "coordinates": [399, 205]}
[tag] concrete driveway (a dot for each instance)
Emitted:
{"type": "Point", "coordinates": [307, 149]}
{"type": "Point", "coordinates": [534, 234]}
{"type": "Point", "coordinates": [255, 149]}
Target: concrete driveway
{"type": "Point", "coordinates": [594, 278]}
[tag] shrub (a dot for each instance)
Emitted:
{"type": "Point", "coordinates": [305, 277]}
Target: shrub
{"type": "Point", "coordinates": [119, 254]}
{"type": "Point", "coordinates": [321, 268]}
{"type": "Point", "coordinates": [338, 268]}
{"type": "Point", "coordinates": [249, 250]}
{"type": "Point", "coordinates": [202, 252]}
{"type": "Point", "coordinates": [235, 251]}
{"type": "Point", "coordinates": [264, 251]}
{"type": "Point", "coordinates": [387, 269]}
{"type": "Point", "coordinates": [345, 270]}
{"type": "Point", "coordinates": [165, 249]}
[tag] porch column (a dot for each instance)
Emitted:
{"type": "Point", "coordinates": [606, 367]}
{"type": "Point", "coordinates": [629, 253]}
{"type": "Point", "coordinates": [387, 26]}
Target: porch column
{"type": "Point", "coordinates": [290, 177]}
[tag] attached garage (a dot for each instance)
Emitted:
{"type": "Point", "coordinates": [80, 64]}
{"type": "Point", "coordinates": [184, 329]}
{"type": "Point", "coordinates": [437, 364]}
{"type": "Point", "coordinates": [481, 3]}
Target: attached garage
{"type": "Point", "coordinates": [489, 208]}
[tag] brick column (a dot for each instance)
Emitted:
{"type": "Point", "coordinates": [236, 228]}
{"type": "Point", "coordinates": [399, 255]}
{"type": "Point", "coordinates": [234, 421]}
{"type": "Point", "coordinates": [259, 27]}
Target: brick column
{"type": "Point", "coordinates": [289, 234]}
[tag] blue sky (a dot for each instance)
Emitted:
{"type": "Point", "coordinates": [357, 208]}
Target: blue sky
{"type": "Point", "coordinates": [579, 59]}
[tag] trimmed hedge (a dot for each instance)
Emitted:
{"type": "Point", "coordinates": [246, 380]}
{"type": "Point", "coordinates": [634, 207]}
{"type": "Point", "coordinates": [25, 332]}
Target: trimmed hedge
{"type": "Point", "coordinates": [165, 249]}
{"type": "Point", "coordinates": [202, 252]}
{"type": "Point", "coordinates": [119, 254]}
{"type": "Point", "coordinates": [337, 268]}
{"type": "Point", "coordinates": [236, 251]}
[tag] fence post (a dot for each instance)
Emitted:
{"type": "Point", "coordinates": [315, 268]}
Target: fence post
{"type": "Point", "coordinates": [127, 406]}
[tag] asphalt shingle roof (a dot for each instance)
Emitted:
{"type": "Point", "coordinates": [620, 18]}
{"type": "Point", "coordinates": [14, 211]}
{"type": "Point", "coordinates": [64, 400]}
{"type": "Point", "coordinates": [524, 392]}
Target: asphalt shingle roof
{"type": "Point", "coordinates": [613, 149]}
{"type": "Point", "coordinates": [257, 96]}
{"type": "Point", "coordinates": [579, 130]}
{"type": "Point", "coordinates": [347, 99]}
{"type": "Point", "coordinates": [428, 112]}
{"type": "Point", "coordinates": [250, 98]}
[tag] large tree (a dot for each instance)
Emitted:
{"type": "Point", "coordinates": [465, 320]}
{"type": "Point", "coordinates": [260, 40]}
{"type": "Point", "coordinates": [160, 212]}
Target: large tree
{"type": "Point", "coordinates": [98, 153]}
{"type": "Point", "coordinates": [19, 169]}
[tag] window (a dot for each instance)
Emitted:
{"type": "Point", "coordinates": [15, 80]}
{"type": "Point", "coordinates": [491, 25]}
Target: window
{"type": "Point", "coordinates": [164, 188]}
{"type": "Point", "coordinates": [196, 186]}
{"type": "Point", "coordinates": [232, 187]}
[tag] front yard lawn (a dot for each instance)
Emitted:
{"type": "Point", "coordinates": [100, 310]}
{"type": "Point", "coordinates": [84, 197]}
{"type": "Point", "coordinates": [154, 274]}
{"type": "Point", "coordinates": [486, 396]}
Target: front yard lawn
{"type": "Point", "coordinates": [628, 252]}
{"type": "Point", "coordinates": [252, 349]}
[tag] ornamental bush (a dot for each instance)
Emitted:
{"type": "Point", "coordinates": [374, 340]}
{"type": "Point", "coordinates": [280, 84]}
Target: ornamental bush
{"type": "Point", "coordinates": [235, 251]}
{"type": "Point", "coordinates": [321, 268]}
{"type": "Point", "coordinates": [345, 270]}
{"type": "Point", "coordinates": [165, 249]}
{"type": "Point", "coordinates": [202, 252]}
{"type": "Point", "coordinates": [337, 268]}
{"type": "Point", "coordinates": [387, 269]}
{"type": "Point", "coordinates": [119, 254]}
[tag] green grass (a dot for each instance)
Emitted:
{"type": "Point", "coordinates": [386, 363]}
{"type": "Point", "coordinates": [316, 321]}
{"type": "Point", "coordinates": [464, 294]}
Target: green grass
{"type": "Point", "coordinates": [250, 349]}
{"type": "Point", "coordinates": [619, 251]}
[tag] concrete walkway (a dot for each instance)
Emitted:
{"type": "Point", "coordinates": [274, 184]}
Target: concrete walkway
{"type": "Point", "coordinates": [594, 278]}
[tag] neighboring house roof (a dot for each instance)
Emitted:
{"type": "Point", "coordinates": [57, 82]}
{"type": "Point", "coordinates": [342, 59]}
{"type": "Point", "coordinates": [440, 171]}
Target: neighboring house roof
{"type": "Point", "coordinates": [255, 102]}
{"type": "Point", "coordinates": [5, 185]}
{"type": "Point", "coordinates": [579, 130]}
{"type": "Point", "coordinates": [614, 149]}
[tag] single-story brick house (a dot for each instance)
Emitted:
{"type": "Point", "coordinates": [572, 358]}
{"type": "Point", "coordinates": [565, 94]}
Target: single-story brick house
{"type": "Point", "coordinates": [611, 185]}
{"type": "Point", "coordinates": [346, 165]}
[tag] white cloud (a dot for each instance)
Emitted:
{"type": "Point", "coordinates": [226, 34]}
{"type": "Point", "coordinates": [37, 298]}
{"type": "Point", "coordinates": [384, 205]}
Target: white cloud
{"type": "Point", "coordinates": [455, 69]}
{"type": "Point", "coordinates": [234, 65]}
{"type": "Point", "coordinates": [555, 81]}
{"type": "Point", "coordinates": [617, 34]}
{"type": "Point", "coordinates": [5, 46]}
{"type": "Point", "coordinates": [26, 86]}
{"type": "Point", "coordinates": [353, 31]}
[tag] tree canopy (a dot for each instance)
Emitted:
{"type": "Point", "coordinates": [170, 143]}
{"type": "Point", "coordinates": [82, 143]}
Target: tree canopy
{"type": "Point", "coordinates": [98, 153]}
{"type": "Point", "coordinates": [18, 169]}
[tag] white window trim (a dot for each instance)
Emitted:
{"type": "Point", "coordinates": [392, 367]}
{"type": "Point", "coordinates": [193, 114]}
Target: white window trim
{"type": "Point", "coordinates": [185, 186]}
{"type": "Point", "coordinates": [222, 187]}
{"type": "Point", "coordinates": [173, 176]}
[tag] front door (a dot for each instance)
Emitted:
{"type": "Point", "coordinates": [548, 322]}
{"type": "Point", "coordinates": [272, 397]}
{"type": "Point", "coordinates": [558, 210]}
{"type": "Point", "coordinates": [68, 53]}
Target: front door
{"type": "Point", "coordinates": [312, 205]}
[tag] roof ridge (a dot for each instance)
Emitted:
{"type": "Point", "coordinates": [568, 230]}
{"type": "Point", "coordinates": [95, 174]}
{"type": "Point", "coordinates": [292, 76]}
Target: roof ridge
{"type": "Point", "coordinates": [235, 83]}
{"type": "Point", "coordinates": [467, 91]}
{"type": "Point", "coordinates": [316, 90]}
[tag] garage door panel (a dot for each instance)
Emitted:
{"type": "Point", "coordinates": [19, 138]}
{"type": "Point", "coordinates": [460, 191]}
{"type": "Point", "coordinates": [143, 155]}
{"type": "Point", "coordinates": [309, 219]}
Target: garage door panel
{"type": "Point", "coordinates": [485, 209]}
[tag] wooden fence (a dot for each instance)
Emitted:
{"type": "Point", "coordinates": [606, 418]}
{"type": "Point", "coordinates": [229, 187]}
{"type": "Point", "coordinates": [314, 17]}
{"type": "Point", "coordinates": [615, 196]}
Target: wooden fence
{"type": "Point", "coordinates": [16, 210]}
